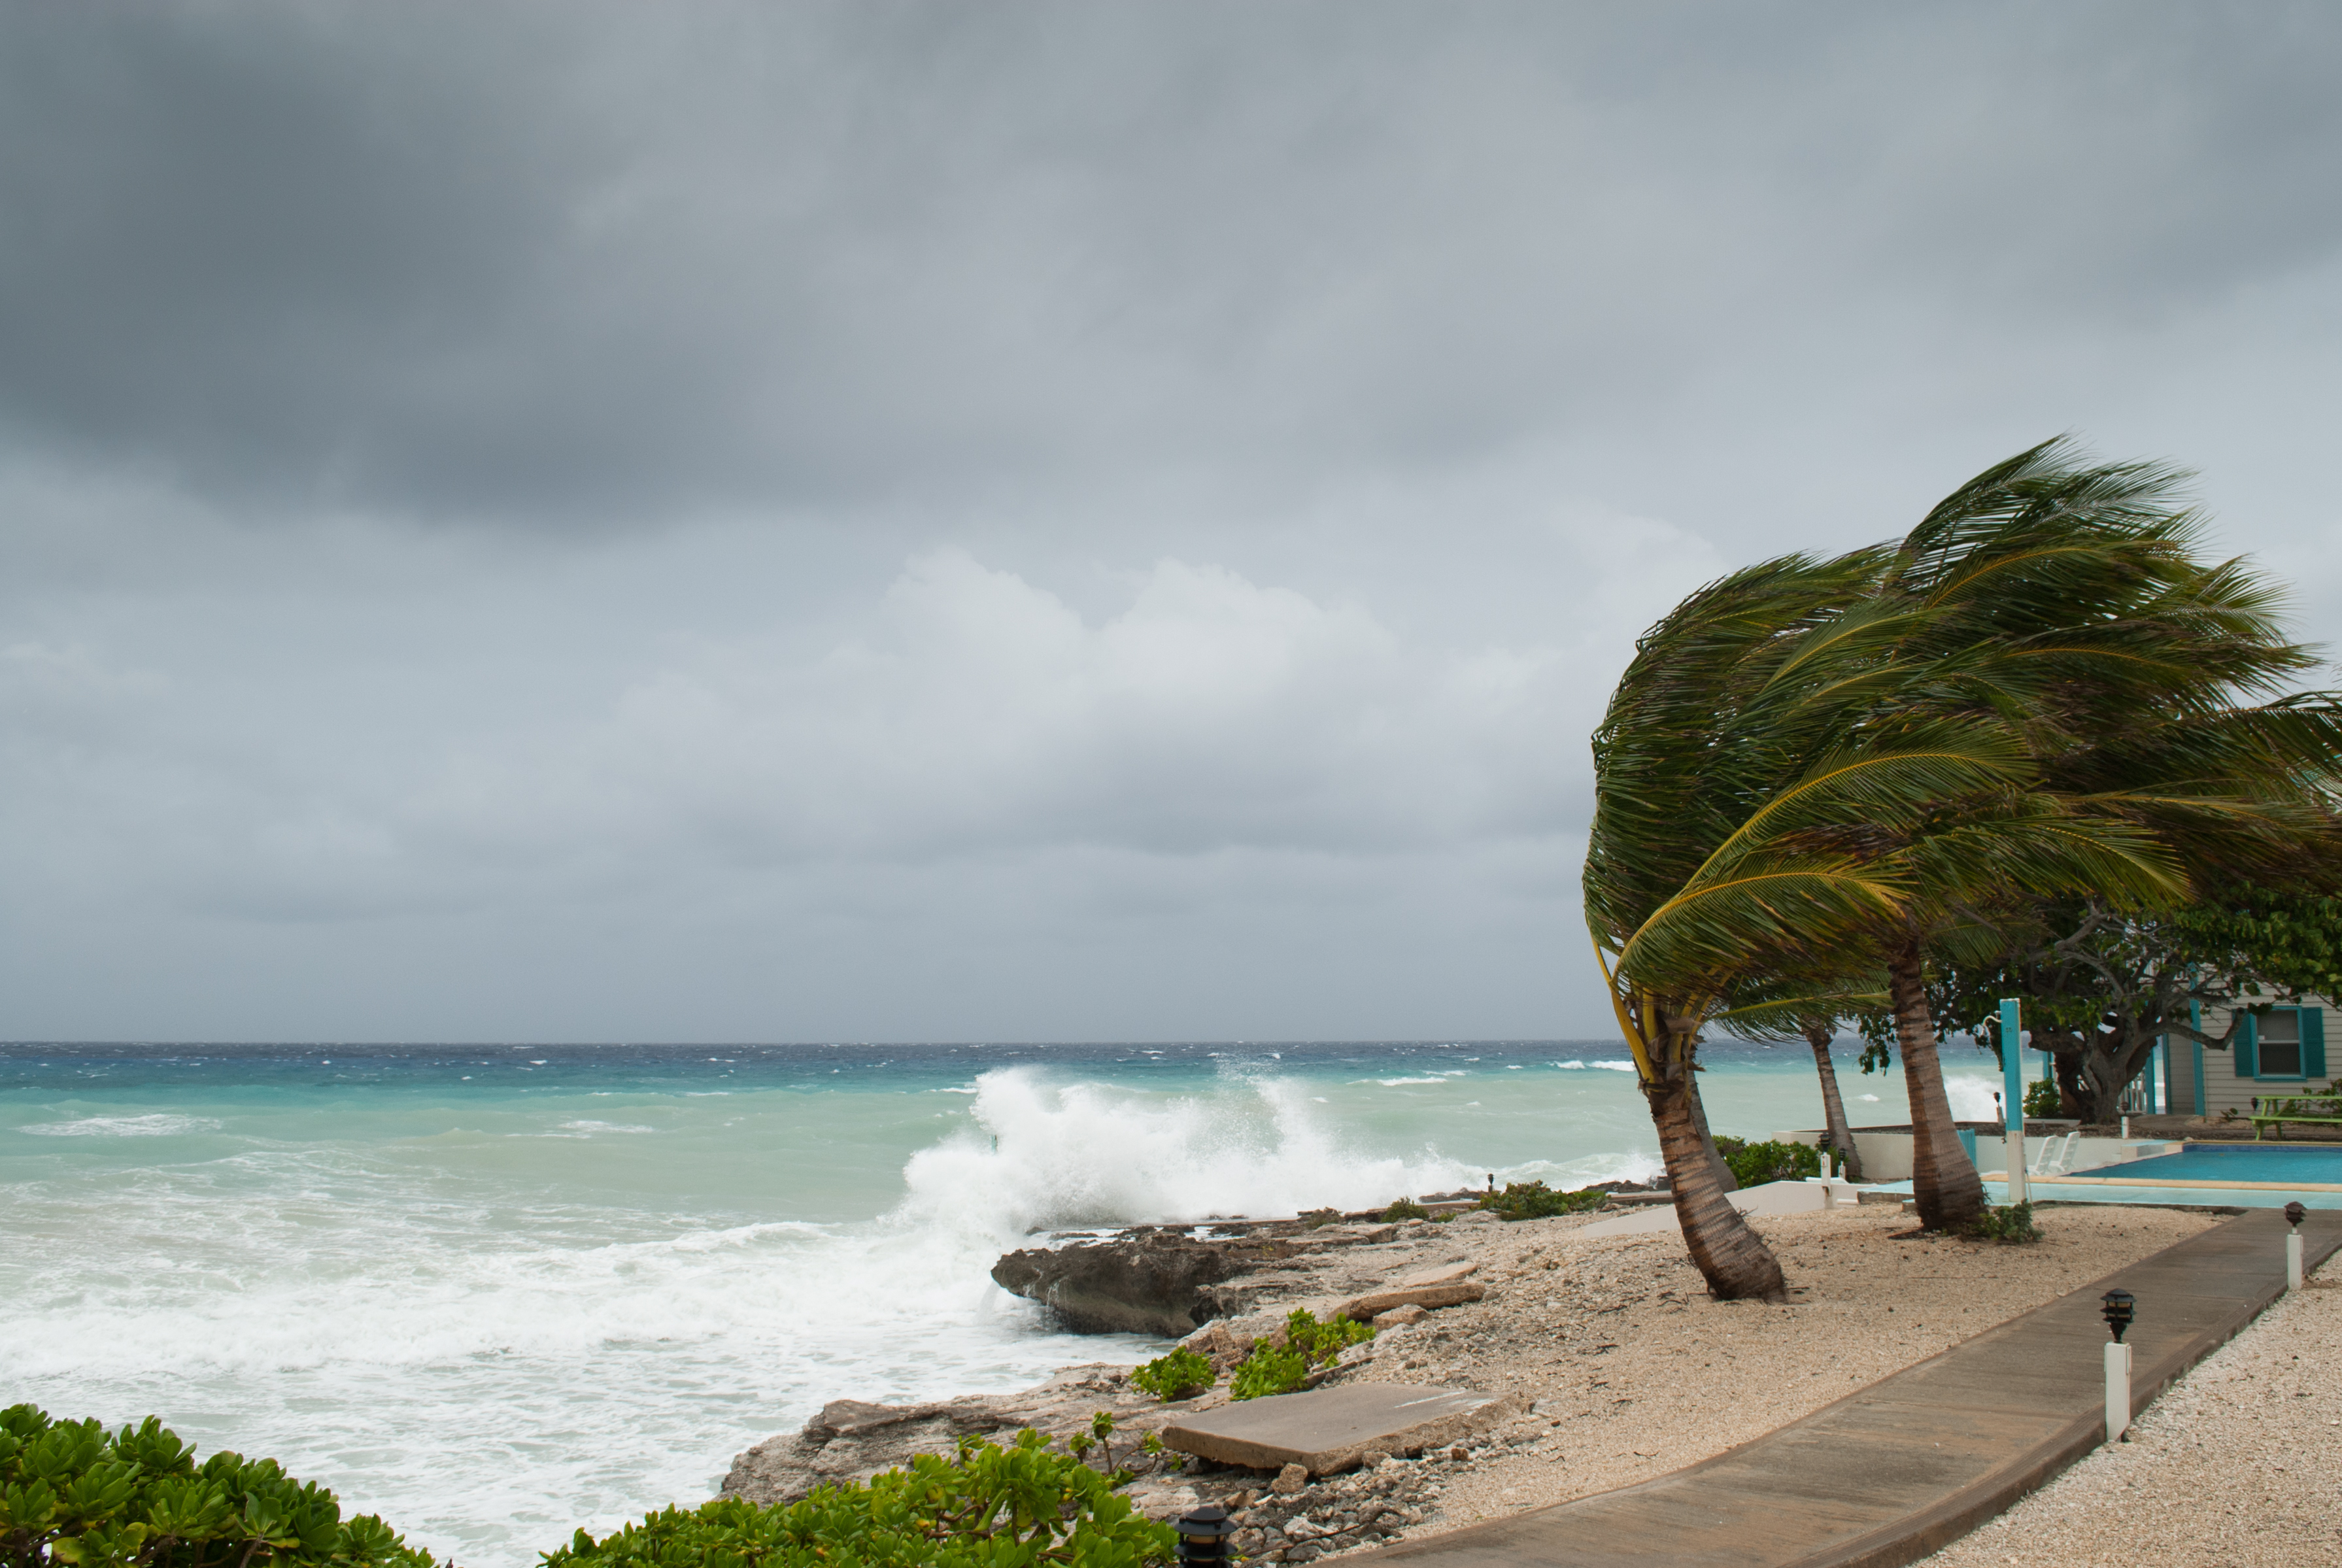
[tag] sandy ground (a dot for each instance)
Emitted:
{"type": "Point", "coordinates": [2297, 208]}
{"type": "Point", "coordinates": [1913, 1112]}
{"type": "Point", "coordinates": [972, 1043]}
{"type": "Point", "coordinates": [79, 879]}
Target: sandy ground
{"type": "Point", "coordinates": [2239, 1465]}
{"type": "Point", "coordinates": [1632, 1371]}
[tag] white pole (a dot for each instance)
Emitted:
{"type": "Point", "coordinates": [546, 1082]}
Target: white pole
{"type": "Point", "coordinates": [2016, 1144]}
{"type": "Point", "coordinates": [2293, 1261]}
{"type": "Point", "coordinates": [2117, 1390]}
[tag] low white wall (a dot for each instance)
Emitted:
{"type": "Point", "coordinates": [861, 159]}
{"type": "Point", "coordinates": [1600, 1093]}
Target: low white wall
{"type": "Point", "coordinates": [1886, 1156]}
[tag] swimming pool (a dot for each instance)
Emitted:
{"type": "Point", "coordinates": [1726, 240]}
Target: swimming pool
{"type": "Point", "coordinates": [2303, 1167]}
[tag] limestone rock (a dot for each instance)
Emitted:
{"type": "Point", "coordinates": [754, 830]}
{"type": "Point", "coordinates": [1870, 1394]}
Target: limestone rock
{"type": "Point", "coordinates": [1400, 1316]}
{"type": "Point", "coordinates": [1290, 1479]}
{"type": "Point", "coordinates": [853, 1439]}
{"type": "Point", "coordinates": [1149, 1285]}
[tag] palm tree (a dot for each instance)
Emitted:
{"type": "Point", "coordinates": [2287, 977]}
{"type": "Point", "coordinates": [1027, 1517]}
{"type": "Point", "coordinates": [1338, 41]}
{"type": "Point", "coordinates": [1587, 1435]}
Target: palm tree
{"type": "Point", "coordinates": [1814, 759]}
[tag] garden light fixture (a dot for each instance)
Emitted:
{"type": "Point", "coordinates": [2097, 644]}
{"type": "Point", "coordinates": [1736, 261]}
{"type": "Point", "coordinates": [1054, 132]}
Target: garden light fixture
{"type": "Point", "coordinates": [2119, 1308]}
{"type": "Point", "coordinates": [1204, 1537]}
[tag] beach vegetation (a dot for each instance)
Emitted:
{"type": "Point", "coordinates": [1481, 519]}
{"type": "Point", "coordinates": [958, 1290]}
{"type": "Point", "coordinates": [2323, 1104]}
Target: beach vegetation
{"type": "Point", "coordinates": [2042, 1098]}
{"type": "Point", "coordinates": [2012, 1225]}
{"type": "Point", "coordinates": [75, 1495]}
{"type": "Point", "coordinates": [1753, 1165]}
{"type": "Point", "coordinates": [1404, 1209]}
{"type": "Point", "coordinates": [1280, 1364]}
{"type": "Point", "coordinates": [1535, 1201]}
{"type": "Point", "coordinates": [1182, 1374]}
{"type": "Point", "coordinates": [986, 1507]}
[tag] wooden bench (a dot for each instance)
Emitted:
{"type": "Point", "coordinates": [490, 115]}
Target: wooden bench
{"type": "Point", "coordinates": [2307, 1110]}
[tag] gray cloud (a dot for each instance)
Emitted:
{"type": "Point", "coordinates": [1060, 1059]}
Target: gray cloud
{"type": "Point", "coordinates": [905, 519]}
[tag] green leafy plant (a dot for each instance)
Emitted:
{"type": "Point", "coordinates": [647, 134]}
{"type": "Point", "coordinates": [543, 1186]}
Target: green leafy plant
{"type": "Point", "coordinates": [73, 1494]}
{"type": "Point", "coordinates": [1754, 1164]}
{"type": "Point", "coordinates": [1404, 1209]}
{"type": "Point", "coordinates": [2012, 1226]}
{"type": "Point", "coordinates": [1535, 1201]}
{"type": "Point", "coordinates": [2042, 1099]}
{"type": "Point", "coordinates": [987, 1507]}
{"type": "Point", "coordinates": [1179, 1376]}
{"type": "Point", "coordinates": [1309, 1344]}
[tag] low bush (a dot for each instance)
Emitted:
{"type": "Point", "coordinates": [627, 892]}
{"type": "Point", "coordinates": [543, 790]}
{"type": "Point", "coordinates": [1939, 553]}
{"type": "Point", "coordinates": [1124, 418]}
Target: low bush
{"type": "Point", "coordinates": [1178, 1376]}
{"type": "Point", "coordinates": [2043, 1099]}
{"type": "Point", "coordinates": [2011, 1226]}
{"type": "Point", "coordinates": [987, 1507]}
{"type": "Point", "coordinates": [75, 1495]}
{"type": "Point", "coordinates": [1404, 1209]}
{"type": "Point", "coordinates": [1754, 1164]}
{"type": "Point", "coordinates": [1308, 1344]}
{"type": "Point", "coordinates": [1535, 1201]}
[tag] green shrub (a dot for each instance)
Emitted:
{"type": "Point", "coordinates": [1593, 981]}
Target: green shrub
{"type": "Point", "coordinates": [1178, 1376]}
{"type": "Point", "coordinates": [1308, 1344]}
{"type": "Point", "coordinates": [2043, 1099]}
{"type": "Point", "coordinates": [72, 1494]}
{"type": "Point", "coordinates": [987, 1507]}
{"type": "Point", "coordinates": [1404, 1209]}
{"type": "Point", "coordinates": [2012, 1226]}
{"type": "Point", "coordinates": [1754, 1164]}
{"type": "Point", "coordinates": [1535, 1201]}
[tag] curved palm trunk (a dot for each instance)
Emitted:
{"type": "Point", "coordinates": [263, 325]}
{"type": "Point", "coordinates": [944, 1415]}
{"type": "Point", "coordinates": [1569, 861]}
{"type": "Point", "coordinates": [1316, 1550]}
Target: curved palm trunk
{"type": "Point", "coordinates": [1723, 1176]}
{"type": "Point", "coordinates": [1839, 1135]}
{"type": "Point", "coordinates": [1727, 1253]}
{"type": "Point", "coordinates": [1949, 1191]}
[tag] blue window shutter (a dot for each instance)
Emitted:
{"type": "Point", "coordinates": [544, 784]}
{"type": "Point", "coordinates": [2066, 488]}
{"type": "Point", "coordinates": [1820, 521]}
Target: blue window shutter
{"type": "Point", "coordinates": [2313, 1040]}
{"type": "Point", "coordinates": [2248, 1040]}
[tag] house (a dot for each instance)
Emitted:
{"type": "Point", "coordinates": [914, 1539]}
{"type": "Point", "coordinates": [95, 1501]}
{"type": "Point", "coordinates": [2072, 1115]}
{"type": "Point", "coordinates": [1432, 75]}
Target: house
{"type": "Point", "coordinates": [2280, 1051]}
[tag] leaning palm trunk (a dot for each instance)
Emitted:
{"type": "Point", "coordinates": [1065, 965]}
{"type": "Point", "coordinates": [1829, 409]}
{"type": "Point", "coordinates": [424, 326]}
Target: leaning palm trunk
{"type": "Point", "coordinates": [1839, 1136]}
{"type": "Point", "coordinates": [1728, 1255]}
{"type": "Point", "coordinates": [1944, 1180]}
{"type": "Point", "coordinates": [1725, 1178]}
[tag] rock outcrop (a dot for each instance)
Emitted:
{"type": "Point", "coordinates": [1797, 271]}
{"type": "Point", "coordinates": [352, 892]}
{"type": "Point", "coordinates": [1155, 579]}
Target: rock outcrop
{"type": "Point", "coordinates": [851, 1440]}
{"type": "Point", "coordinates": [1156, 1282]}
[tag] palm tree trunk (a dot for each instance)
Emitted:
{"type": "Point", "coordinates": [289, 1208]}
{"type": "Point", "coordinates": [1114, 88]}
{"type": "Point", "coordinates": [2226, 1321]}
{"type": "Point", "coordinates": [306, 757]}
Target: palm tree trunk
{"type": "Point", "coordinates": [1840, 1136]}
{"type": "Point", "coordinates": [1949, 1191]}
{"type": "Point", "coordinates": [1723, 1176]}
{"type": "Point", "coordinates": [1733, 1259]}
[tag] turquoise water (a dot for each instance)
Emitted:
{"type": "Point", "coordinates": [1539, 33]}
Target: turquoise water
{"type": "Point", "coordinates": [499, 1292]}
{"type": "Point", "coordinates": [2221, 1163]}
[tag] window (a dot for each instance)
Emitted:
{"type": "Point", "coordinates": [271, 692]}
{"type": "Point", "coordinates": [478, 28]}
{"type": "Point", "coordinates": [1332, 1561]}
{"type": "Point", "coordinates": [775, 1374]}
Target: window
{"type": "Point", "coordinates": [2280, 1043]}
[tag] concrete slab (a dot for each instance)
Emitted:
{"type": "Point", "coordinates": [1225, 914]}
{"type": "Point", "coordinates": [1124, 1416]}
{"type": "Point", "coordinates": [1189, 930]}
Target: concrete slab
{"type": "Point", "coordinates": [1331, 1429]}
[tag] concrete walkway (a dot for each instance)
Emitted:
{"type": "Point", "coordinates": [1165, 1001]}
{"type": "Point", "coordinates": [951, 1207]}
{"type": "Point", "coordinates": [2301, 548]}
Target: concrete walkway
{"type": "Point", "coordinates": [1915, 1461]}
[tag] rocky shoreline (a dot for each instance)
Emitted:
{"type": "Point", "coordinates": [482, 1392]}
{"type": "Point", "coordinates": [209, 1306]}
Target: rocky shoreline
{"type": "Point", "coordinates": [1610, 1362]}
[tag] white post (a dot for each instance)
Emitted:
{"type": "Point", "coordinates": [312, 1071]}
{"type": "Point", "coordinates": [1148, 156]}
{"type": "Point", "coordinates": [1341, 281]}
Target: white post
{"type": "Point", "coordinates": [2125, 1128]}
{"type": "Point", "coordinates": [2293, 1261]}
{"type": "Point", "coordinates": [2117, 1390]}
{"type": "Point", "coordinates": [2016, 1144]}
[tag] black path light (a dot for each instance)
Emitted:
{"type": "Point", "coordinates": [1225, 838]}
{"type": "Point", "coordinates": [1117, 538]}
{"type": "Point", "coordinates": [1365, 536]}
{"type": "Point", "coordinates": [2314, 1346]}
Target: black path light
{"type": "Point", "coordinates": [1204, 1536]}
{"type": "Point", "coordinates": [2119, 1307]}
{"type": "Point", "coordinates": [2293, 1215]}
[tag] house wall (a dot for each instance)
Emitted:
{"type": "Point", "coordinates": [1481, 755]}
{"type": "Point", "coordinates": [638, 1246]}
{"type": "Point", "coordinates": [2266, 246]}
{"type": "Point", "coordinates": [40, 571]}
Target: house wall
{"type": "Point", "coordinates": [2227, 1087]}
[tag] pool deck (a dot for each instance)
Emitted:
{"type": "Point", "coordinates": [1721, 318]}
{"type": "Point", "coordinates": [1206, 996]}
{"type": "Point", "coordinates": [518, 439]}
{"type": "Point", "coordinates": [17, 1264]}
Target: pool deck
{"type": "Point", "coordinates": [1915, 1460]}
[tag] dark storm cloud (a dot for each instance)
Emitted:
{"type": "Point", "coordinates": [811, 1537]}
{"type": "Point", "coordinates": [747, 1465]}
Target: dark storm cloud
{"type": "Point", "coordinates": [880, 520]}
{"type": "Point", "coordinates": [559, 261]}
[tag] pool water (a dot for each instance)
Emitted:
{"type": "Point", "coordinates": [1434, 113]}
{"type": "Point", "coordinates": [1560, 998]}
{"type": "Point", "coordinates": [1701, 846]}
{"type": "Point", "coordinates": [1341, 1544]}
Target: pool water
{"type": "Point", "coordinates": [2300, 1165]}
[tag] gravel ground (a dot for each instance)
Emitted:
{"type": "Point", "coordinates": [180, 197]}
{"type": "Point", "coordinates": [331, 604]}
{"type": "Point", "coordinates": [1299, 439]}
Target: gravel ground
{"type": "Point", "coordinates": [1633, 1372]}
{"type": "Point", "coordinates": [2239, 1465]}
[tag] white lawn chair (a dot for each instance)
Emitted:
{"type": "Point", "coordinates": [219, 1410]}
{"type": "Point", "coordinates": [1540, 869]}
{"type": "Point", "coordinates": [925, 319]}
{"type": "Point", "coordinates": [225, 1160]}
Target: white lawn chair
{"type": "Point", "coordinates": [2057, 1155]}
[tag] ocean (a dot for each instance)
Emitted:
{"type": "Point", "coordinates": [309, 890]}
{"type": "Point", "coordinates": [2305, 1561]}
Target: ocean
{"type": "Point", "coordinates": [498, 1293]}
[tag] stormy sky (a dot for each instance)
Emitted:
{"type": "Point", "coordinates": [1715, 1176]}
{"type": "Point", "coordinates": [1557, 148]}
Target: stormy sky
{"type": "Point", "coordinates": [931, 521]}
